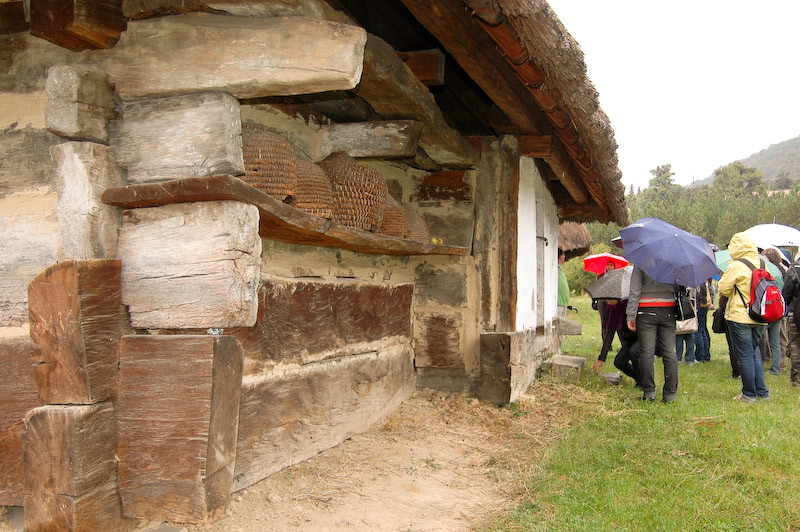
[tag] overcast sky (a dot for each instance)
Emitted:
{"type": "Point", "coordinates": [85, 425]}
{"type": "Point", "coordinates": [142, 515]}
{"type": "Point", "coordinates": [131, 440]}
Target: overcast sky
{"type": "Point", "coordinates": [693, 83]}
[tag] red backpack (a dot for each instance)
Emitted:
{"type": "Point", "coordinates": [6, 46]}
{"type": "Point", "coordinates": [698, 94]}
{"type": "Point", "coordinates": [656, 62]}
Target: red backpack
{"type": "Point", "coordinates": [766, 301]}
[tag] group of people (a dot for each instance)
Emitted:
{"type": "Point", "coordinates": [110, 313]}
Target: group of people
{"type": "Point", "coordinates": [646, 325]}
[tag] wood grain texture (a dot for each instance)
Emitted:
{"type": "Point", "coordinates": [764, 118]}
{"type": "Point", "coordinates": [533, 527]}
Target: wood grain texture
{"type": "Point", "coordinates": [278, 221]}
{"type": "Point", "coordinates": [288, 416]}
{"type": "Point", "coordinates": [387, 139]}
{"type": "Point", "coordinates": [177, 432]}
{"type": "Point", "coordinates": [191, 265]}
{"type": "Point", "coordinates": [242, 56]}
{"type": "Point", "coordinates": [306, 321]}
{"type": "Point", "coordinates": [76, 321]}
{"type": "Point", "coordinates": [390, 87]}
{"type": "Point", "coordinates": [438, 340]}
{"type": "Point", "coordinates": [427, 65]}
{"type": "Point", "coordinates": [179, 136]}
{"type": "Point", "coordinates": [17, 396]}
{"type": "Point", "coordinates": [77, 24]}
{"type": "Point", "coordinates": [87, 227]}
{"type": "Point", "coordinates": [12, 18]}
{"type": "Point", "coordinates": [80, 102]}
{"type": "Point", "coordinates": [71, 468]}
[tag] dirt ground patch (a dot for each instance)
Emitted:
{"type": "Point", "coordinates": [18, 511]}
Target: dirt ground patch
{"type": "Point", "coordinates": [436, 464]}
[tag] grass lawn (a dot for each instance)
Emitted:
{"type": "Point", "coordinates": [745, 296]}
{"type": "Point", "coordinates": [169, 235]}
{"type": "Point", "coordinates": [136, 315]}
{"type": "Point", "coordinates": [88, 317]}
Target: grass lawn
{"type": "Point", "coordinates": [704, 462]}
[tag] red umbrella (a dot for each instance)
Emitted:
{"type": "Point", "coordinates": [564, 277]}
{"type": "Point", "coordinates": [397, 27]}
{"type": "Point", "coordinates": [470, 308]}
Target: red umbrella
{"type": "Point", "coordinates": [597, 263]}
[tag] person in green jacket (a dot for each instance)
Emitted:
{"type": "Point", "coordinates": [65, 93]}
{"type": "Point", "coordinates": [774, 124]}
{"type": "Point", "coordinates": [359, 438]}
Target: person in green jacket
{"type": "Point", "coordinates": [563, 286]}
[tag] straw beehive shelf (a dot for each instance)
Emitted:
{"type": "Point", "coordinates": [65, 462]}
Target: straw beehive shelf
{"type": "Point", "coordinates": [278, 220]}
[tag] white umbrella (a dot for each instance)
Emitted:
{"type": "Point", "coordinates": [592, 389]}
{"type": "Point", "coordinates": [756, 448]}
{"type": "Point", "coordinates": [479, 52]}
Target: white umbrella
{"type": "Point", "coordinates": [766, 235]}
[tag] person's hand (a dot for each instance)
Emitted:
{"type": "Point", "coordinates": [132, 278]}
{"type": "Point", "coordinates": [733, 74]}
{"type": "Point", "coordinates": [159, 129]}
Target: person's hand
{"type": "Point", "coordinates": [632, 325]}
{"type": "Point", "coordinates": [597, 365]}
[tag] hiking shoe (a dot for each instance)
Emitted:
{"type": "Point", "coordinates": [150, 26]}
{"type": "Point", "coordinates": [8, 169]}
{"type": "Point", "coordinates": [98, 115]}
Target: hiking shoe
{"type": "Point", "coordinates": [643, 398]}
{"type": "Point", "coordinates": [764, 397]}
{"type": "Point", "coordinates": [745, 399]}
{"type": "Point", "coordinates": [668, 399]}
{"type": "Point", "coordinates": [771, 372]}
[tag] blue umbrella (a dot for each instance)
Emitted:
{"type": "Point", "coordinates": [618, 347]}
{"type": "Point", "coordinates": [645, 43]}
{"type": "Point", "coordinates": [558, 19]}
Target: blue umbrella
{"type": "Point", "coordinates": [668, 254]}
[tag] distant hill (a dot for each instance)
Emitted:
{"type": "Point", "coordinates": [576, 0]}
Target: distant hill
{"type": "Point", "coordinates": [784, 156]}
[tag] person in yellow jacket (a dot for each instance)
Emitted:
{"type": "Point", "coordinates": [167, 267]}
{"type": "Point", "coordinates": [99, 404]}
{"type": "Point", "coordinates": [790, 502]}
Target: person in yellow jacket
{"type": "Point", "coordinates": [745, 333]}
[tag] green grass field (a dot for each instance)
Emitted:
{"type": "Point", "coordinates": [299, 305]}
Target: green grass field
{"type": "Point", "coordinates": [704, 462]}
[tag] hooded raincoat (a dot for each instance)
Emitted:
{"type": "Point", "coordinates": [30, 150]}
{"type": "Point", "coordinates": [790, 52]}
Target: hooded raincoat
{"type": "Point", "coordinates": [739, 275]}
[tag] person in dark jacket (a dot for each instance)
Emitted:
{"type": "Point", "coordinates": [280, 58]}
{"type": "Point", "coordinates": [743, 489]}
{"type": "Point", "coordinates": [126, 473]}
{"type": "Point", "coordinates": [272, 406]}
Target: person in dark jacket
{"type": "Point", "coordinates": [651, 314]}
{"type": "Point", "coordinates": [791, 293]}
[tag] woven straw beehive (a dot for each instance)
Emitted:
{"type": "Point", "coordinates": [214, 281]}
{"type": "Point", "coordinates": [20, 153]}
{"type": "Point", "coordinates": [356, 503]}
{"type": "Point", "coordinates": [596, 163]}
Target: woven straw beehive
{"type": "Point", "coordinates": [395, 220]}
{"type": "Point", "coordinates": [269, 162]}
{"type": "Point", "coordinates": [417, 230]}
{"type": "Point", "coordinates": [314, 193]}
{"type": "Point", "coordinates": [359, 192]}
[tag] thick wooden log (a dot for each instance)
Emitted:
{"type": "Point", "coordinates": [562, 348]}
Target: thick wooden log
{"type": "Point", "coordinates": [303, 321]}
{"type": "Point", "coordinates": [245, 57]}
{"type": "Point", "coordinates": [179, 136]}
{"type": "Point", "coordinates": [87, 226]}
{"type": "Point", "coordinates": [78, 24]}
{"type": "Point", "coordinates": [80, 102]}
{"type": "Point", "coordinates": [76, 321]}
{"type": "Point", "coordinates": [17, 396]}
{"type": "Point", "coordinates": [398, 138]}
{"type": "Point", "coordinates": [278, 221]}
{"type": "Point", "coordinates": [535, 146]}
{"type": "Point", "coordinates": [427, 65]}
{"type": "Point", "coordinates": [290, 415]}
{"type": "Point", "coordinates": [71, 469]}
{"type": "Point", "coordinates": [509, 362]}
{"type": "Point", "coordinates": [178, 414]}
{"type": "Point", "coordinates": [192, 265]}
{"type": "Point", "coordinates": [12, 17]}
{"type": "Point", "coordinates": [390, 87]}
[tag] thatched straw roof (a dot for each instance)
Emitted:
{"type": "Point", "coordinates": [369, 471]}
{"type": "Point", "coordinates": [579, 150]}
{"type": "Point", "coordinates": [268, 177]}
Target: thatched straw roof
{"type": "Point", "coordinates": [573, 238]}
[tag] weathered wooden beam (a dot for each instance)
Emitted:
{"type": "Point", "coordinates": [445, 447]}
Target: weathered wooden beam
{"type": "Point", "coordinates": [71, 469]}
{"type": "Point", "coordinates": [427, 65]}
{"type": "Point", "coordinates": [78, 24]}
{"type": "Point", "coordinates": [179, 136]}
{"type": "Point", "coordinates": [290, 415]}
{"type": "Point", "coordinates": [487, 10]}
{"type": "Point", "coordinates": [80, 102]}
{"type": "Point", "coordinates": [17, 396]}
{"type": "Point", "coordinates": [278, 221]}
{"type": "Point", "coordinates": [76, 322]}
{"type": "Point", "coordinates": [245, 57]}
{"type": "Point", "coordinates": [394, 92]}
{"type": "Point", "coordinates": [191, 265]}
{"type": "Point", "coordinates": [535, 146]}
{"type": "Point", "coordinates": [12, 17]}
{"type": "Point", "coordinates": [178, 416]}
{"type": "Point", "coordinates": [396, 138]}
{"type": "Point", "coordinates": [479, 56]}
{"type": "Point", "coordinates": [87, 227]}
{"type": "Point", "coordinates": [443, 186]}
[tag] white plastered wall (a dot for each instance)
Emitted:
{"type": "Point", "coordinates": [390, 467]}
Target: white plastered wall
{"type": "Point", "coordinates": [537, 250]}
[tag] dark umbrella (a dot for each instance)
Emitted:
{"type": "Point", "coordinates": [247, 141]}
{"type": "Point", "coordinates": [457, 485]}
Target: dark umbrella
{"type": "Point", "coordinates": [668, 254]}
{"type": "Point", "coordinates": [615, 284]}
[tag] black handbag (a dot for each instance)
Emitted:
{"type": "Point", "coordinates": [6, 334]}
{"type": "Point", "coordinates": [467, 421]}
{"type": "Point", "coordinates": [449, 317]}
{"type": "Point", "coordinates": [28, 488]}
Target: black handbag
{"type": "Point", "coordinates": [718, 324]}
{"type": "Point", "coordinates": [683, 305]}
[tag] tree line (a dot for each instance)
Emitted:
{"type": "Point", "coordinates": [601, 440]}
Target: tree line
{"type": "Point", "coordinates": [738, 198]}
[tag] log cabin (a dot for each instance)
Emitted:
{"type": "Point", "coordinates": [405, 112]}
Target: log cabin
{"type": "Point", "coordinates": [237, 232]}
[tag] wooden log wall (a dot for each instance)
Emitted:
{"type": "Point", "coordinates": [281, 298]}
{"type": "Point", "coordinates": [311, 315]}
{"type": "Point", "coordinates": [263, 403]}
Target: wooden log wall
{"type": "Point", "coordinates": [192, 265]}
{"type": "Point", "coordinates": [71, 469]}
{"type": "Point", "coordinates": [76, 321]}
{"type": "Point", "coordinates": [177, 430]}
{"type": "Point", "coordinates": [181, 136]}
{"type": "Point", "coordinates": [17, 396]}
{"type": "Point", "coordinates": [80, 102]}
{"type": "Point", "coordinates": [243, 56]}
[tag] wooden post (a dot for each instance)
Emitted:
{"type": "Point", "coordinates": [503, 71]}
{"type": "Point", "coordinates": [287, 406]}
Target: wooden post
{"type": "Point", "coordinates": [181, 136]}
{"type": "Point", "coordinates": [245, 57]}
{"type": "Point", "coordinates": [191, 265]}
{"type": "Point", "coordinates": [76, 321]}
{"type": "Point", "coordinates": [178, 415]}
{"type": "Point", "coordinates": [17, 396]}
{"type": "Point", "coordinates": [71, 469]}
{"type": "Point", "coordinates": [78, 24]}
{"type": "Point", "coordinates": [80, 102]}
{"type": "Point", "coordinates": [87, 227]}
